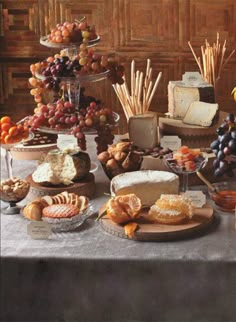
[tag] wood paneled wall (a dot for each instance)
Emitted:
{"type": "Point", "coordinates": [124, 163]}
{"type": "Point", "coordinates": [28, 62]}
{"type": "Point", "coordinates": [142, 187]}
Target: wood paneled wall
{"type": "Point", "coordinates": [156, 29]}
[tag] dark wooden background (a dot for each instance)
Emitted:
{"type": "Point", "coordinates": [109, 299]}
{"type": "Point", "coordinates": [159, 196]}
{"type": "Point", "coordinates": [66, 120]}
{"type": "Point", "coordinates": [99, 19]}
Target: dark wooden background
{"type": "Point", "coordinates": [156, 29]}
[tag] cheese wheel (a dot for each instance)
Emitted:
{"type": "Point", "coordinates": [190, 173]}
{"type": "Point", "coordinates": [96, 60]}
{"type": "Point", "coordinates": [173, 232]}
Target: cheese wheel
{"type": "Point", "coordinates": [148, 185]}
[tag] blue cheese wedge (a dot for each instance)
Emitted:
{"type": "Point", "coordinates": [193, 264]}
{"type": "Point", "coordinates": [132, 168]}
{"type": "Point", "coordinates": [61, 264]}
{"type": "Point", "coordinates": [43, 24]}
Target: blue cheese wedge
{"type": "Point", "coordinates": [201, 113]}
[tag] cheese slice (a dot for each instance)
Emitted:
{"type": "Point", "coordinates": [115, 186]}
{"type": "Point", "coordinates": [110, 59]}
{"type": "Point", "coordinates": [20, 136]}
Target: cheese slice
{"type": "Point", "coordinates": [143, 130]}
{"type": "Point", "coordinates": [200, 113]}
{"type": "Point", "coordinates": [148, 185]}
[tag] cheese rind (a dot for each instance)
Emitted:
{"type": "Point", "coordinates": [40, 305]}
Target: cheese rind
{"type": "Point", "coordinates": [62, 167]}
{"type": "Point", "coordinates": [148, 185]}
{"type": "Point", "coordinates": [200, 113]}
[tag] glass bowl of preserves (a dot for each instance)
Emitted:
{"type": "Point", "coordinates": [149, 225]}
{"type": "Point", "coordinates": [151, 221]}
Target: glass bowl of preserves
{"type": "Point", "coordinates": [224, 195]}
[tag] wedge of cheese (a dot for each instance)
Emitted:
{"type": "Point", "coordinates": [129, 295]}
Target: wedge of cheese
{"type": "Point", "coordinates": [148, 185]}
{"type": "Point", "coordinates": [201, 113]}
{"type": "Point", "coordinates": [181, 96]}
{"type": "Point", "coordinates": [143, 130]}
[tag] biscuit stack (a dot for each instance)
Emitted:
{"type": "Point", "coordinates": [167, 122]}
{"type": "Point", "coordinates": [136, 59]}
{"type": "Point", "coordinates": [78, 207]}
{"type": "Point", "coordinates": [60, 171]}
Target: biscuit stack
{"type": "Point", "coordinates": [59, 206]}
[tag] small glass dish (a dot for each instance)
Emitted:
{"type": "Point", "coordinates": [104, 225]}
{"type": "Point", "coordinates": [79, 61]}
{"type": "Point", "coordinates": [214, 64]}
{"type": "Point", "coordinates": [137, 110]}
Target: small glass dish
{"type": "Point", "coordinates": [12, 191]}
{"type": "Point", "coordinates": [200, 163]}
{"type": "Point", "coordinates": [224, 195]}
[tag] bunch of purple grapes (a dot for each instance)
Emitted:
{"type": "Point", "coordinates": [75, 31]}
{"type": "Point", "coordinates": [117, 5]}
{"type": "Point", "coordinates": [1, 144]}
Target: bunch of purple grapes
{"type": "Point", "coordinates": [60, 67]}
{"type": "Point", "coordinates": [224, 147]}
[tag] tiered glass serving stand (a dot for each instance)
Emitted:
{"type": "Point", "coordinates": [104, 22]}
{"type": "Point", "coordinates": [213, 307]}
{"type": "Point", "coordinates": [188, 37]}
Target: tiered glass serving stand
{"type": "Point", "coordinates": [70, 86]}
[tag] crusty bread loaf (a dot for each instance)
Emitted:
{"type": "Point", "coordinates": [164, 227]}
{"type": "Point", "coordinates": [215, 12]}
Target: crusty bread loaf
{"type": "Point", "coordinates": [170, 209]}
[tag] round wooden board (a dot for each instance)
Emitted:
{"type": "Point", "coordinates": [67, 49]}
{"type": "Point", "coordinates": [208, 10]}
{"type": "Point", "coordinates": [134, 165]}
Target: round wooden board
{"type": "Point", "coordinates": [85, 187]}
{"type": "Point", "coordinates": [191, 135]}
{"type": "Point", "coordinates": [147, 231]}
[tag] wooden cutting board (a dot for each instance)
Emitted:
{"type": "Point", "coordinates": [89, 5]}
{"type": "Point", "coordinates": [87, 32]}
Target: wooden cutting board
{"type": "Point", "coordinates": [147, 231]}
{"type": "Point", "coordinates": [84, 187]}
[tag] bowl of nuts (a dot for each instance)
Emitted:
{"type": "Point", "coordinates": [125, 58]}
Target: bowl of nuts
{"type": "Point", "coordinates": [13, 190]}
{"type": "Point", "coordinates": [120, 158]}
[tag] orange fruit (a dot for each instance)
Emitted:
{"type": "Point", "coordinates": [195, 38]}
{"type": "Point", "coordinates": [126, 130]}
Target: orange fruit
{"type": "Point", "coordinates": [122, 209]}
{"type": "Point", "coordinates": [5, 126]}
{"type": "Point", "coordinates": [13, 131]}
{"type": "Point", "coordinates": [8, 139]}
{"type": "Point", "coordinates": [4, 134]}
{"type": "Point", "coordinates": [20, 128]}
{"type": "Point", "coordinates": [5, 119]}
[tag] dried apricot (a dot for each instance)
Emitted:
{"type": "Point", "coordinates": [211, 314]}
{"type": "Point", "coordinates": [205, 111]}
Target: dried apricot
{"type": "Point", "coordinates": [183, 149]}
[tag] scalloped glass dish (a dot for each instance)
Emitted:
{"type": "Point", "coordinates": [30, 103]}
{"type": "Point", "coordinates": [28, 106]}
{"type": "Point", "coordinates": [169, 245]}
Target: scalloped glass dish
{"type": "Point", "coordinates": [69, 224]}
{"type": "Point", "coordinates": [44, 41]}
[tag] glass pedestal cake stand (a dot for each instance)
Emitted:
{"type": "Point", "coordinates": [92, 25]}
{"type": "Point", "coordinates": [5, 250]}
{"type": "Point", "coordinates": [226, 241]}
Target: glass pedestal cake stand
{"type": "Point", "coordinates": [180, 170]}
{"type": "Point", "coordinates": [12, 208]}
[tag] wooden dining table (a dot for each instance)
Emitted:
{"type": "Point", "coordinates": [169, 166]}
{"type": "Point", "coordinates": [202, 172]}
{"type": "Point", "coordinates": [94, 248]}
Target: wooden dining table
{"type": "Point", "coordinates": [90, 275]}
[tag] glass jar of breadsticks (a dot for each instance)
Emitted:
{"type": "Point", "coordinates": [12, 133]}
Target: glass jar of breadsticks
{"type": "Point", "coordinates": [136, 98]}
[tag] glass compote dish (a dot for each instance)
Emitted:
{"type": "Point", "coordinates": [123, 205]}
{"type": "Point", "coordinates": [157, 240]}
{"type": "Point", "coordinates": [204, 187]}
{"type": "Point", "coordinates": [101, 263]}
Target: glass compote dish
{"type": "Point", "coordinates": [200, 162]}
{"type": "Point", "coordinates": [6, 194]}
